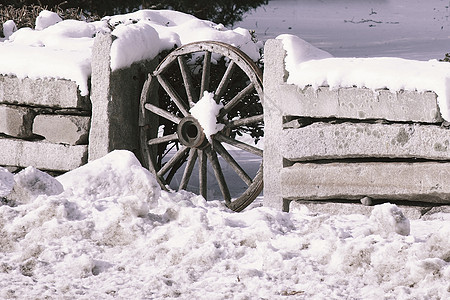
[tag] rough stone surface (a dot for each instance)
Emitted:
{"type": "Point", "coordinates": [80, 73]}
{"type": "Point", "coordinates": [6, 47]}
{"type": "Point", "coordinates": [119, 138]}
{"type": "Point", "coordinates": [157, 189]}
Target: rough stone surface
{"type": "Point", "coordinates": [362, 140]}
{"type": "Point", "coordinates": [16, 121]}
{"type": "Point", "coordinates": [42, 155]}
{"type": "Point", "coordinates": [115, 100]}
{"type": "Point", "coordinates": [42, 92]}
{"type": "Point", "coordinates": [273, 120]}
{"type": "Point", "coordinates": [424, 182]}
{"type": "Point", "coordinates": [340, 208]}
{"type": "Point", "coordinates": [64, 129]}
{"type": "Point", "coordinates": [354, 103]}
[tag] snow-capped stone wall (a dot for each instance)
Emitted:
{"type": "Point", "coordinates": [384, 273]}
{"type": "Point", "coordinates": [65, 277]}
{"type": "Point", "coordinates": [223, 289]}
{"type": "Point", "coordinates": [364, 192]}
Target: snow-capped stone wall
{"type": "Point", "coordinates": [48, 124]}
{"type": "Point", "coordinates": [69, 89]}
{"type": "Point", "coordinates": [340, 142]}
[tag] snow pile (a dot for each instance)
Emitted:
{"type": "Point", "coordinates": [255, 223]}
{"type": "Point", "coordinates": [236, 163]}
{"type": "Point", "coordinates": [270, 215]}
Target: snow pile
{"type": "Point", "coordinates": [6, 182]}
{"type": "Point", "coordinates": [62, 49]}
{"type": "Point", "coordinates": [113, 234]}
{"type": "Point", "coordinates": [118, 173]}
{"type": "Point", "coordinates": [8, 28]}
{"type": "Point", "coordinates": [30, 183]}
{"type": "Point", "coordinates": [206, 111]}
{"type": "Point", "coordinates": [131, 39]}
{"type": "Point", "coordinates": [390, 218]}
{"type": "Point", "coordinates": [308, 65]}
{"type": "Point", "coordinates": [46, 19]}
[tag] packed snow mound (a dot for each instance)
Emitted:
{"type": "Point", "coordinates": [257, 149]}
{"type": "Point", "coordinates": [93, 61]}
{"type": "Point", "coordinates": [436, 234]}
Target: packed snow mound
{"type": "Point", "coordinates": [299, 51]}
{"type": "Point", "coordinates": [46, 18]}
{"type": "Point", "coordinates": [102, 238]}
{"type": "Point", "coordinates": [117, 174]}
{"type": "Point", "coordinates": [131, 38]}
{"type": "Point", "coordinates": [62, 49]}
{"type": "Point", "coordinates": [389, 218]}
{"type": "Point", "coordinates": [9, 27]}
{"type": "Point", "coordinates": [31, 183]}
{"type": "Point", "coordinates": [309, 66]}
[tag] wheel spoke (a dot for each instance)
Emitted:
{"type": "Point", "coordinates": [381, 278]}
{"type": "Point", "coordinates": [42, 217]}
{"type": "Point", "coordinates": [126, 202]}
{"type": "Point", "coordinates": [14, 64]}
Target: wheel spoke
{"type": "Point", "coordinates": [163, 139]}
{"type": "Point", "coordinates": [162, 113]}
{"type": "Point", "coordinates": [187, 79]}
{"type": "Point", "coordinates": [145, 153]}
{"type": "Point", "coordinates": [232, 162]}
{"type": "Point", "coordinates": [173, 94]}
{"type": "Point", "coordinates": [147, 162]}
{"type": "Point", "coordinates": [144, 96]}
{"type": "Point", "coordinates": [202, 173]}
{"type": "Point", "coordinates": [172, 161]}
{"type": "Point", "coordinates": [245, 121]}
{"type": "Point", "coordinates": [235, 100]}
{"type": "Point", "coordinates": [188, 169]}
{"type": "Point", "coordinates": [224, 81]}
{"type": "Point", "coordinates": [205, 73]}
{"type": "Point", "coordinates": [238, 144]}
{"type": "Point", "coordinates": [212, 156]}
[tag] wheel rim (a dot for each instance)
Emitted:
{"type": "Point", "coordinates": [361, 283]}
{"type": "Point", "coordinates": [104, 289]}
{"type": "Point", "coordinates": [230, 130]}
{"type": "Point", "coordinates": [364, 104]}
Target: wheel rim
{"type": "Point", "coordinates": [173, 143]}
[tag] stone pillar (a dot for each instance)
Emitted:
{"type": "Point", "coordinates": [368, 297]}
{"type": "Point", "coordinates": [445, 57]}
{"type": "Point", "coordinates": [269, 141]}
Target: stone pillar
{"type": "Point", "coordinates": [115, 100]}
{"type": "Point", "coordinates": [99, 141]}
{"type": "Point", "coordinates": [274, 74]}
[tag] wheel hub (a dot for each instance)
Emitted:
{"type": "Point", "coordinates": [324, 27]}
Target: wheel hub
{"type": "Point", "coordinates": [190, 133]}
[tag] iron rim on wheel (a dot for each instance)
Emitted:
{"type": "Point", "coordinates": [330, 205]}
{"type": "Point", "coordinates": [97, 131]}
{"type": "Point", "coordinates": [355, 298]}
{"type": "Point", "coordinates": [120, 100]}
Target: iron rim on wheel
{"type": "Point", "coordinates": [173, 142]}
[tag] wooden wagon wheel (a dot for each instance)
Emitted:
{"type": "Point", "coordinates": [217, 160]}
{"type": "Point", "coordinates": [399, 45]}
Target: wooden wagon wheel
{"type": "Point", "coordinates": [173, 142]}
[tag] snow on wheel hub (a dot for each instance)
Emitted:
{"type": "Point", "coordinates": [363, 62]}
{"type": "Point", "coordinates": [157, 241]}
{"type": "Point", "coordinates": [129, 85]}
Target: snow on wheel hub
{"type": "Point", "coordinates": [190, 133]}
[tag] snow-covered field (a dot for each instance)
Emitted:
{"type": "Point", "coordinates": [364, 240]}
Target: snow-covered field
{"type": "Point", "coordinates": [411, 29]}
{"type": "Point", "coordinates": [107, 231]}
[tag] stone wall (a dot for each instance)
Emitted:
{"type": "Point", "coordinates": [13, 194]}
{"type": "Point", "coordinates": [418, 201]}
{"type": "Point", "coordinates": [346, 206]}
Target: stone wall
{"type": "Point", "coordinates": [45, 123]}
{"type": "Point", "coordinates": [350, 143]}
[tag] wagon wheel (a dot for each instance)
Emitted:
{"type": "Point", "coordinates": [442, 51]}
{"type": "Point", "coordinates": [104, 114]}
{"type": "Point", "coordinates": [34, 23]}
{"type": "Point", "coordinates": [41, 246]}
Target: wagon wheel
{"type": "Point", "coordinates": [174, 145]}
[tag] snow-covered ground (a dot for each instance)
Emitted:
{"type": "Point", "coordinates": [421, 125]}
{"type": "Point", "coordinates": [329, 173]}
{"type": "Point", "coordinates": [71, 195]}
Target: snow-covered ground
{"type": "Point", "coordinates": [106, 230]}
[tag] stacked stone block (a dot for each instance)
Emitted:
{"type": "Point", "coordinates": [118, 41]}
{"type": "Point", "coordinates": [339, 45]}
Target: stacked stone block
{"type": "Point", "coordinates": [350, 143]}
{"type": "Point", "coordinates": [16, 121]}
{"type": "Point", "coordinates": [43, 123]}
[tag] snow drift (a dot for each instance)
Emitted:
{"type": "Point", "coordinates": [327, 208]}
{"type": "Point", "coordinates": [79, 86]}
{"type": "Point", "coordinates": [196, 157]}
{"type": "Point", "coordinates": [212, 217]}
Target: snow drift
{"type": "Point", "coordinates": [112, 233]}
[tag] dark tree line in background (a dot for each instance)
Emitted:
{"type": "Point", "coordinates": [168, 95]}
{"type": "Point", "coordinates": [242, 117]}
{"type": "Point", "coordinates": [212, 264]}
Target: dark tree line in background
{"type": "Point", "coordinates": [226, 12]}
